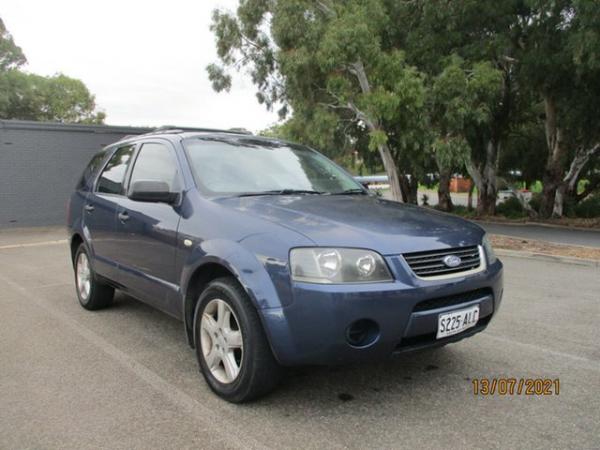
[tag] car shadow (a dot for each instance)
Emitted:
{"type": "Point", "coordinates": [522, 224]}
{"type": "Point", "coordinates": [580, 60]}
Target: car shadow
{"type": "Point", "coordinates": [314, 388]}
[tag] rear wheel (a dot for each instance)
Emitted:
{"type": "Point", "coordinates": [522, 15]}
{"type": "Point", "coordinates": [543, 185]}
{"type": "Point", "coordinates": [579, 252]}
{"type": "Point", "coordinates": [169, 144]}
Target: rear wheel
{"type": "Point", "coordinates": [91, 293]}
{"type": "Point", "coordinates": [232, 349]}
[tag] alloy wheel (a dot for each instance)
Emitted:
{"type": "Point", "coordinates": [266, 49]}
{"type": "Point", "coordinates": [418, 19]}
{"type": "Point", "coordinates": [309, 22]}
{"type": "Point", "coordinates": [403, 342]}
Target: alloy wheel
{"type": "Point", "coordinates": [221, 341]}
{"type": "Point", "coordinates": [84, 276]}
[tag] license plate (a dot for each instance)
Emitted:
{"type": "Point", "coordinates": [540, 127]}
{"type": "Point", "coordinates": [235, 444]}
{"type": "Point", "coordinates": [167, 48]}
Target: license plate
{"type": "Point", "coordinates": [456, 321]}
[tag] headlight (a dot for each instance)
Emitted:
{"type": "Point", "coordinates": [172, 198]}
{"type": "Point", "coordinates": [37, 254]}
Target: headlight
{"type": "Point", "coordinates": [337, 265]}
{"type": "Point", "coordinates": [489, 251]}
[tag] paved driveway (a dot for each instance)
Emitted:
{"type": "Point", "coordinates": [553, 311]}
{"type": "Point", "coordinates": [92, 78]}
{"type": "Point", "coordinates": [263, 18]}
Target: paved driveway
{"type": "Point", "coordinates": [125, 378]}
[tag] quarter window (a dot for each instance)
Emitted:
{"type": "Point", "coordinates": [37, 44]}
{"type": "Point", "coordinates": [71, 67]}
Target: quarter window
{"type": "Point", "coordinates": [91, 170]}
{"type": "Point", "coordinates": [155, 162]}
{"type": "Point", "coordinates": [111, 179]}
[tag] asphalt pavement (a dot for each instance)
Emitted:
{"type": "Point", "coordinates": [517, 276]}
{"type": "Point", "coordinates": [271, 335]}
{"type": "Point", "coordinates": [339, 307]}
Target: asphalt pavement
{"type": "Point", "coordinates": [124, 377]}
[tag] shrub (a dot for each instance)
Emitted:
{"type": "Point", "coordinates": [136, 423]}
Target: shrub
{"type": "Point", "coordinates": [536, 201]}
{"type": "Point", "coordinates": [588, 208]}
{"type": "Point", "coordinates": [462, 211]}
{"type": "Point", "coordinates": [511, 208]}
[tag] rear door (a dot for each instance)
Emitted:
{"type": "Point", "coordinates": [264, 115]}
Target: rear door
{"type": "Point", "coordinates": [100, 211]}
{"type": "Point", "coordinates": [147, 231]}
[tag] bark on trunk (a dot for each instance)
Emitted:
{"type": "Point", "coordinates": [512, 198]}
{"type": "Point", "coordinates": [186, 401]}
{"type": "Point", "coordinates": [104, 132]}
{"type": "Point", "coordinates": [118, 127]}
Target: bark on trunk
{"type": "Point", "coordinates": [484, 177]}
{"type": "Point", "coordinates": [444, 199]}
{"type": "Point", "coordinates": [409, 187]}
{"type": "Point", "coordinates": [552, 178]}
{"type": "Point", "coordinates": [568, 186]}
{"type": "Point", "coordinates": [392, 172]}
{"type": "Point", "coordinates": [470, 197]}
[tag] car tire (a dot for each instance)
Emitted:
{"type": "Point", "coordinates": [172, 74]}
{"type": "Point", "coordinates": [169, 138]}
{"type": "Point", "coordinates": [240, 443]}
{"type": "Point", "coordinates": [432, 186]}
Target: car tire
{"type": "Point", "coordinates": [232, 350]}
{"type": "Point", "coordinates": [92, 294]}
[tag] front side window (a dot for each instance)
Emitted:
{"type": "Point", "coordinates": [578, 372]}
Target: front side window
{"type": "Point", "coordinates": [238, 166]}
{"type": "Point", "coordinates": [155, 162]}
{"type": "Point", "coordinates": [111, 179]}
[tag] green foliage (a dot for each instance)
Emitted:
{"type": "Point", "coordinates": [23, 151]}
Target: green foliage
{"type": "Point", "coordinates": [511, 208]}
{"type": "Point", "coordinates": [27, 96]}
{"type": "Point", "coordinates": [536, 201]}
{"type": "Point", "coordinates": [588, 208]}
{"type": "Point", "coordinates": [56, 99]}
{"type": "Point", "coordinates": [440, 84]}
{"type": "Point", "coordinates": [463, 211]}
{"type": "Point", "coordinates": [331, 63]}
{"type": "Point", "coordinates": [11, 55]}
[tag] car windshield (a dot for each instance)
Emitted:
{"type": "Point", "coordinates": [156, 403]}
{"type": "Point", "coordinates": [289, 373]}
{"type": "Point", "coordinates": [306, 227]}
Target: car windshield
{"type": "Point", "coordinates": [249, 166]}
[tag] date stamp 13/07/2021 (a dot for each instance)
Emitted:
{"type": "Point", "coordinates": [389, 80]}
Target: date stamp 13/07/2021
{"type": "Point", "coordinates": [516, 386]}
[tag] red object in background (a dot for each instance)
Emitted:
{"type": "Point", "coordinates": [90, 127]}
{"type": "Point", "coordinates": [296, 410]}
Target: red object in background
{"type": "Point", "coordinates": [460, 184]}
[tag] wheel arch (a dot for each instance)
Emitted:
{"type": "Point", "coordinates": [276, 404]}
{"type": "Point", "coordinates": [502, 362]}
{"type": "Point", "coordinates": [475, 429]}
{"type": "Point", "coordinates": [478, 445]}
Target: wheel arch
{"type": "Point", "coordinates": [76, 241]}
{"type": "Point", "coordinates": [199, 280]}
{"type": "Point", "coordinates": [218, 258]}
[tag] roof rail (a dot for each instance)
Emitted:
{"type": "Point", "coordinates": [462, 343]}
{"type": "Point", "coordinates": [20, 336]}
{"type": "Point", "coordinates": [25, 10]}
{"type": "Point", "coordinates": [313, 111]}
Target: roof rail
{"type": "Point", "coordinates": [175, 129]}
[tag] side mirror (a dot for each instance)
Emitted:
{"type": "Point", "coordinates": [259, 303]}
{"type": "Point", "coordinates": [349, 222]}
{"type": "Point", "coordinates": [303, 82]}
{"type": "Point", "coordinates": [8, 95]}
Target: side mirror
{"type": "Point", "coordinates": [152, 191]}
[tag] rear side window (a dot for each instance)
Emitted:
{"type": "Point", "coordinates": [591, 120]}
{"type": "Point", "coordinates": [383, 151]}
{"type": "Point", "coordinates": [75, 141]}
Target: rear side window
{"type": "Point", "coordinates": [156, 162]}
{"type": "Point", "coordinates": [111, 178]}
{"type": "Point", "coordinates": [88, 174]}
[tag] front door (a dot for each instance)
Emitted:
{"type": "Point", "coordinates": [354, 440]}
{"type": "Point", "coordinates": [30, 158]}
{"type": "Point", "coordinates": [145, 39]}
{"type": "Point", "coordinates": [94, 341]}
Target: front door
{"type": "Point", "coordinates": [147, 231]}
{"type": "Point", "coordinates": [100, 211]}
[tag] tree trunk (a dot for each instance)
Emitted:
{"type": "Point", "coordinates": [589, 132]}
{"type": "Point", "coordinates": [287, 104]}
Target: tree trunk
{"type": "Point", "coordinates": [392, 172]}
{"type": "Point", "coordinates": [444, 199]}
{"type": "Point", "coordinates": [409, 187]}
{"type": "Point", "coordinates": [358, 69]}
{"type": "Point", "coordinates": [484, 177]}
{"type": "Point", "coordinates": [552, 178]}
{"type": "Point", "coordinates": [470, 196]}
{"type": "Point", "coordinates": [486, 200]}
{"type": "Point", "coordinates": [568, 186]}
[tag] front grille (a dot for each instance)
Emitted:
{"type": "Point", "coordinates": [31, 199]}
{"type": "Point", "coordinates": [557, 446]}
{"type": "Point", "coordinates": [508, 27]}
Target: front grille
{"type": "Point", "coordinates": [452, 300]}
{"type": "Point", "coordinates": [430, 263]}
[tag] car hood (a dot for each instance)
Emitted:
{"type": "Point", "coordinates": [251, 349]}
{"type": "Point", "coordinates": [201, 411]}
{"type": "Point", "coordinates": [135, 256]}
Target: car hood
{"type": "Point", "coordinates": [361, 221]}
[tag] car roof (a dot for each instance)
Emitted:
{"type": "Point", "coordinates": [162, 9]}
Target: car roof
{"type": "Point", "coordinates": [172, 133]}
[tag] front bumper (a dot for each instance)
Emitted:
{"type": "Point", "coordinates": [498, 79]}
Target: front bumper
{"type": "Point", "coordinates": [313, 329]}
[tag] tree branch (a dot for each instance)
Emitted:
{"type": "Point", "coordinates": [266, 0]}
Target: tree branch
{"type": "Point", "coordinates": [579, 161]}
{"type": "Point", "coordinates": [326, 9]}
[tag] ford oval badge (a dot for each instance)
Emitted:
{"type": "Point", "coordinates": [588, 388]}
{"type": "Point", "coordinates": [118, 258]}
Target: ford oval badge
{"type": "Point", "coordinates": [452, 261]}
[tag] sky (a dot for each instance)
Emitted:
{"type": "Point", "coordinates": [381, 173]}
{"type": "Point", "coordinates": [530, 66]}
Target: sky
{"type": "Point", "coordinates": [143, 60]}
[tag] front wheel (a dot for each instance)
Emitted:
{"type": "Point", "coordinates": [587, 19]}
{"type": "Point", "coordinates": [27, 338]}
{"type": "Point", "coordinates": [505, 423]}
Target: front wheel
{"type": "Point", "coordinates": [232, 349]}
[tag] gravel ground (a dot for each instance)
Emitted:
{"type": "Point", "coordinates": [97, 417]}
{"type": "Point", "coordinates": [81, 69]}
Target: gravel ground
{"type": "Point", "coordinates": [545, 248]}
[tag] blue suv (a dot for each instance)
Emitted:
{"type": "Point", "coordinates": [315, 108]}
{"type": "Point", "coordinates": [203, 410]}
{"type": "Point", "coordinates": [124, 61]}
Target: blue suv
{"type": "Point", "coordinates": [272, 255]}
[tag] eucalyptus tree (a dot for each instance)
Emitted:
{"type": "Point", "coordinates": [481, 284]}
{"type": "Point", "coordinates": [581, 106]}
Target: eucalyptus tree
{"type": "Point", "coordinates": [474, 101]}
{"type": "Point", "coordinates": [559, 46]}
{"type": "Point", "coordinates": [334, 64]}
{"type": "Point", "coordinates": [462, 97]}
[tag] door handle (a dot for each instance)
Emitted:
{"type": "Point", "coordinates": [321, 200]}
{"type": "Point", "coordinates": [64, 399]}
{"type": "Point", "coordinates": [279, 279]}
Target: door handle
{"type": "Point", "coordinates": [123, 216]}
{"type": "Point", "coordinates": [89, 208]}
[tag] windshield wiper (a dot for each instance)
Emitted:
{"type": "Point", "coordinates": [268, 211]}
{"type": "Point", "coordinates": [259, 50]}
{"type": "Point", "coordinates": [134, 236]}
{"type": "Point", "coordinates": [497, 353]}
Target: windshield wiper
{"type": "Point", "coordinates": [351, 192]}
{"type": "Point", "coordinates": [279, 192]}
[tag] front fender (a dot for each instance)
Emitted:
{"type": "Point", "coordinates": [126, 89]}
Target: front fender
{"type": "Point", "coordinates": [243, 264]}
